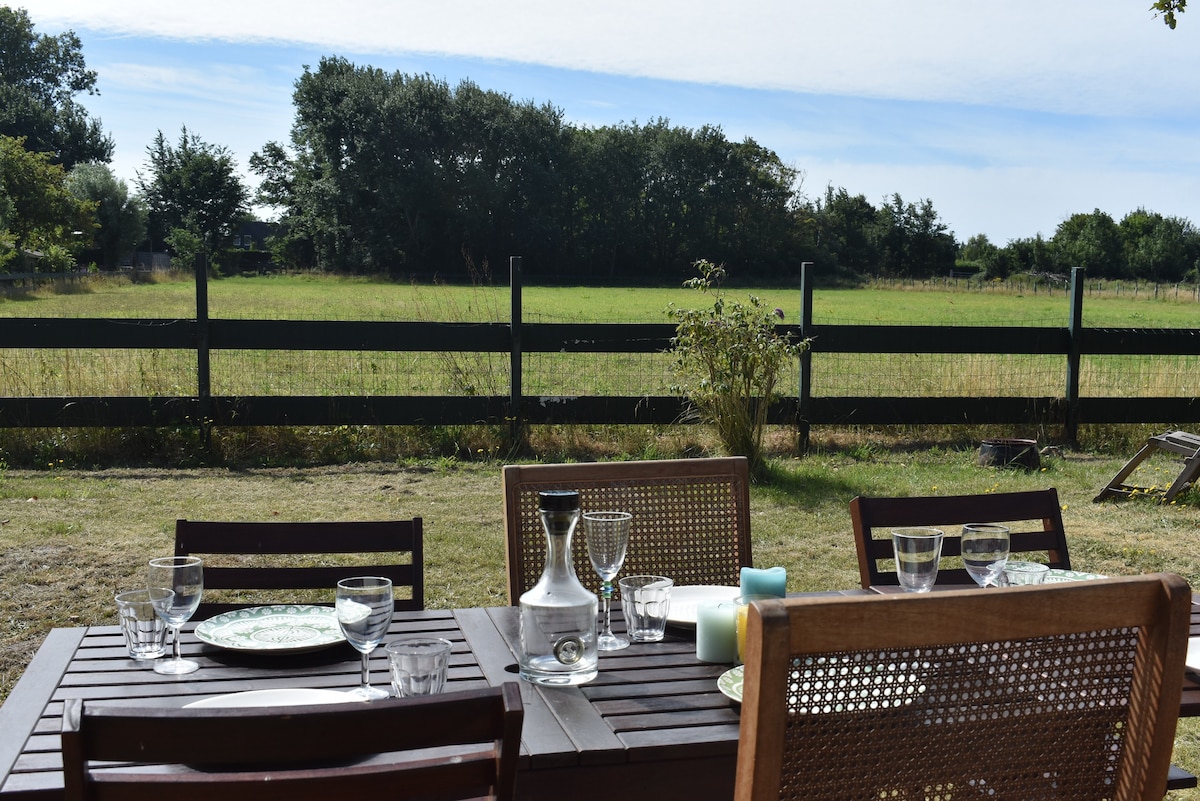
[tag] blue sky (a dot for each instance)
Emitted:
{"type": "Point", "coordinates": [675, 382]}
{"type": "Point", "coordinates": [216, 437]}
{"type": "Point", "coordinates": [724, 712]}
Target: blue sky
{"type": "Point", "coordinates": [1009, 115]}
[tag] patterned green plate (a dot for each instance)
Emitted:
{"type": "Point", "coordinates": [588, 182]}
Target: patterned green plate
{"type": "Point", "coordinates": [1055, 575]}
{"type": "Point", "coordinates": [730, 683]}
{"type": "Point", "coordinates": [280, 628]}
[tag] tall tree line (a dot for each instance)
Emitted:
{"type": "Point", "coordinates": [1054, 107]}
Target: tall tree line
{"type": "Point", "coordinates": [395, 172]}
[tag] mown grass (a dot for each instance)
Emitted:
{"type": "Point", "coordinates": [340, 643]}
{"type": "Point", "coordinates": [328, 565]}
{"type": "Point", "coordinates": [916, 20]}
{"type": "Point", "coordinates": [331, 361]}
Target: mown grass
{"type": "Point", "coordinates": [119, 372]}
{"type": "Point", "coordinates": [71, 538]}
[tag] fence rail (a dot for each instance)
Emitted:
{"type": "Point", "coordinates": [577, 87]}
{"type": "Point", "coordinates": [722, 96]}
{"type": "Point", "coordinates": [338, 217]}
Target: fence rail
{"type": "Point", "coordinates": [515, 338]}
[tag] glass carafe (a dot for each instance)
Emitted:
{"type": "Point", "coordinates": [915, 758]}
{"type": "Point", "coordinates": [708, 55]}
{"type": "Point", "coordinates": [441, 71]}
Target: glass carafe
{"type": "Point", "coordinates": [558, 614]}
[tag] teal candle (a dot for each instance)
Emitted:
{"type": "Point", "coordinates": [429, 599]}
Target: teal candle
{"type": "Point", "coordinates": [765, 581]}
{"type": "Point", "coordinates": [716, 632]}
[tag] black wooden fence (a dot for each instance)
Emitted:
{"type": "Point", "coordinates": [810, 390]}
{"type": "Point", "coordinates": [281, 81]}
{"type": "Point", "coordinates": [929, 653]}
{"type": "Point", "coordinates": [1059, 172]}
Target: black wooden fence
{"type": "Point", "coordinates": [203, 335]}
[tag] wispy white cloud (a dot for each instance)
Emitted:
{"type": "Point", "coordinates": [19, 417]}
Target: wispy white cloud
{"type": "Point", "coordinates": [1008, 114]}
{"type": "Point", "coordinates": [1084, 56]}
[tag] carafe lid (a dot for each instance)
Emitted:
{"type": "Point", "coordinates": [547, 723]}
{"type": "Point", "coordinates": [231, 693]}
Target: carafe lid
{"type": "Point", "coordinates": [558, 500]}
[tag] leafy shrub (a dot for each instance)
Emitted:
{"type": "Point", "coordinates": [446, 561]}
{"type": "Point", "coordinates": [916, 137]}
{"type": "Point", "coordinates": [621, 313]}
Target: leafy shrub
{"type": "Point", "coordinates": [728, 358]}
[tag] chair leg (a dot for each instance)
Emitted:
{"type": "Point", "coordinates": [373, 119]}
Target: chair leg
{"type": "Point", "coordinates": [1116, 486]}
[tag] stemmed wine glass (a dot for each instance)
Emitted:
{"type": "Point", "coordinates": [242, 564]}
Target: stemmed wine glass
{"type": "Point", "coordinates": [364, 611]}
{"type": "Point", "coordinates": [607, 536]}
{"type": "Point", "coordinates": [175, 584]}
{"type": "Point", "coordinates": [985, 552]}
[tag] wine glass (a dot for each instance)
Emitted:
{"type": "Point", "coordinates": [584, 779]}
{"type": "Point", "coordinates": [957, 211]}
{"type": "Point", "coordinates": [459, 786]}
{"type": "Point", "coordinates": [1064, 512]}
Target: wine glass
{"type": "Point", "coordinates": [175, 584]}
{"type": "Point", "coordinates": [607, 535]}
{"type": "Point", "coordinates": [364, 611]}
{"type": "Point", "coordinates": [985, 552]}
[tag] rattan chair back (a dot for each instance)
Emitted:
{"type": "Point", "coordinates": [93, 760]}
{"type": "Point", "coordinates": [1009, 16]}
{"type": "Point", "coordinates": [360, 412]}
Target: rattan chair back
{"type": "Point", "coordinates": [1034, 519]}
{"type": "Point", "coordinates": [691, 517]}
{"type": "Point", "coordinates": [1060, 691]}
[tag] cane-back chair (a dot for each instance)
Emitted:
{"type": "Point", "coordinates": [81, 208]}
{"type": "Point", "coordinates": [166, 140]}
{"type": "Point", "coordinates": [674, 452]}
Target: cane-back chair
{"type": "Point", "coordinates": [691, 517]}
{"type": "Point", "coordinates": [1058, 691]}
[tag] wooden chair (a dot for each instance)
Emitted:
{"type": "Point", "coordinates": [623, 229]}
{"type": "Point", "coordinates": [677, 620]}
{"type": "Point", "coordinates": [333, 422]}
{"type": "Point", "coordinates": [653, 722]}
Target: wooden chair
{"type": "Point", "coordinates": [301, 753]}
{"type": "Point", "coordinates": [691, 517]}
{"type": "Point", "coordinates": [873, 519]}
{"type": "Point", "coordinates": [1064, 691]}
{"type": "Point", "coordinates": [1180, 443]}
{"type": "Point", "coordinates": [249, 556]}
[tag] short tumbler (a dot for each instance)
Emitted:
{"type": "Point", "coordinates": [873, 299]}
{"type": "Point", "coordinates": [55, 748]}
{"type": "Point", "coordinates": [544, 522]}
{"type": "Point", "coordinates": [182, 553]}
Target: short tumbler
{"type": "Point", "coordinates": [1020, 573]}
{"type": "Point", "coordinates": [145, 632]}
{"type": "Point", "coordinates": [646, 601]}
{"type": "Point", "coordinates": [419, 665]}
{"type": "Point", "coordinates": [918, 551]}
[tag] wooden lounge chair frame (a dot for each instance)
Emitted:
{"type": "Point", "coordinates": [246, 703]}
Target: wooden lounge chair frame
{"type": "Point", "coordinates": [691, 517]}
{"type": "Point", "coordinates": [874, 517]}
{"type": "Point", "coordinates": [401, 540]}
{"type": "Point", "coordinates": [972, 693]}
{"type": "Point", "coordinates": [301, 753]}
{"type": "Point", "coordinates": [1177, 442]}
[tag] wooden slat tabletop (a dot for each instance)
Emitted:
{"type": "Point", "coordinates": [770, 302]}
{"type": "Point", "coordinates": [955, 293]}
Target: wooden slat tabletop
{"type": "Point", "coordinates": [92, 664]}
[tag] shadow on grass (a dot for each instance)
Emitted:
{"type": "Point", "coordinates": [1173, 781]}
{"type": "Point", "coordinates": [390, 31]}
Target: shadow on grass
{"type": "Point", "coordinates": [805, 490]}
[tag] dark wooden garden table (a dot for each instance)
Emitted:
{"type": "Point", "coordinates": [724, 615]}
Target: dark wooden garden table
{"type": "Point", "coordinates": [653, 716]}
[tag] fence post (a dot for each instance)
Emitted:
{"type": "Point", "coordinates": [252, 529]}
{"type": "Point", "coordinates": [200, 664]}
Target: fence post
{"type": "Point", "coordinates": [203, 370]}
{"type": "Point", "coordinates": [1074, 345]}
{"type": "Point", "coordinates": [805, 375]}
{"type": "Point", "coordinates": [514, 371]}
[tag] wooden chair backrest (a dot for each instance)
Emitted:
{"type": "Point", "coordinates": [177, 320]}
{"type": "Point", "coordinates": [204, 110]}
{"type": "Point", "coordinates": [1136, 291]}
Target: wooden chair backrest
{"type": "Point", "coordinates": [246, 556]}
{"type": "Point", "coordinates": [967, 692]}
{"type": "Point", "coordinates": [301, 753]}
{"type": "Point", "coordinates": [691, 517]}
{"type": "Point", "coordinates": [1034, 519]}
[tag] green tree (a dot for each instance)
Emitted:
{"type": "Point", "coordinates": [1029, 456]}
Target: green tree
{"type": "Point", "coordinates": [1158, 248]}
{"type": "Point", "coordinates": [911, 240]}
{"type": "Point", "coordinates": [193, 188]}
{"type": "Point", "coordinates": [1168, 9]}
{"type": "Point", "coordinates": [38, 216]}
{"type": "Point", "coordinates": [40, 75]}
{"type": "Point", "coordinates": [843, 222]}
{"type": "Point", "coordinates": [1091, 241]}
{"type": "Point", "coordinates": [120, 222]}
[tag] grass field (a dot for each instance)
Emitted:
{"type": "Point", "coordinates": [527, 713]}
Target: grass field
{"type": "Point", "coordinates": [59, 372]}
{"type": "Point", "coordinates": [71, 538]}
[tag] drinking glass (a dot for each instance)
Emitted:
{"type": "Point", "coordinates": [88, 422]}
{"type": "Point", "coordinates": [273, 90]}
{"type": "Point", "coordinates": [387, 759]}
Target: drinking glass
{"type": "Point", "coordinates": [364, 611]}
{"type": "Point", "coordinates": [175, 584]}
{"type": "Point", "coordinates": [917, 553]}
{"type": "Point", "coordinates": [984, 552]}
{"type": "Point", "coordinates": [607, 535]}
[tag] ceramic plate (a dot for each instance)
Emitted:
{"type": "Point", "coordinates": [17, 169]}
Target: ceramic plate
{"type": "Point", "coordinates": [1193, 653]}
{"type": "Point", "coordinates": [685, 600]}
{"type": "Point", "coordinates": [1056, 575]}
{"type": "Point", "coordinates": [730, 684]}
{"type": "Point", "coordinates": [281, 628]}
{"type": "Point", "coordinates": [281, 697]}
